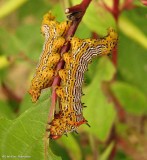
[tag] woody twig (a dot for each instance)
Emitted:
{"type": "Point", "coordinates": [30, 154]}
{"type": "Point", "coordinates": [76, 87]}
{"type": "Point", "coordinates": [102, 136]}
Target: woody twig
{"type": "Point", "coordinates": [75, 14]}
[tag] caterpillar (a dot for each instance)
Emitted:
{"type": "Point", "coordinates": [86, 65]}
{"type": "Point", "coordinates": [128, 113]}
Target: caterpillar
{"type": "Point", "coordinates": [81, 52]}
{"type": "Point", "coordinates": [53, 32]}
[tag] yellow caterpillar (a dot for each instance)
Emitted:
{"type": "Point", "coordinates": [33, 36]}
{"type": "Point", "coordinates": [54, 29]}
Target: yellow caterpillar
{"type": "Point", "coordinates": [53, 32]}
{"type": "Point", "coordinates": [81, 53]}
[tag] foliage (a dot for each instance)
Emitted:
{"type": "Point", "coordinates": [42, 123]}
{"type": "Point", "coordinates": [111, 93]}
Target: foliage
{"type": "Point", "coordinates": [22, 124]}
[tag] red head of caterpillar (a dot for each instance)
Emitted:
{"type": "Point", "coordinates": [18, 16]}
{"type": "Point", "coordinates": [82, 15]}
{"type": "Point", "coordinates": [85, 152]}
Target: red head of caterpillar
{"type": "Point", "coordinates": [80, 55]}
{"type": "Point", "coordinates": [54, 40]}
{"type": "Point", "coordinates": [65, 123]}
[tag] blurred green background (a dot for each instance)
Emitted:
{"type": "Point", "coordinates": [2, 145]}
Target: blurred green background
{"type": "Point", "coordinates": [117, 112]}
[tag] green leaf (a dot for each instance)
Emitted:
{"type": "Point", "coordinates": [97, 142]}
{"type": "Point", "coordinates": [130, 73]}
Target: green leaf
{"type": "Point", "coordinates": [9, 41]}
{"type": "Point", "coordinates": [107, 152]}
{"type": "Point", "coordinates": [4, 125]}
{"type": "Point", "coordinates": [71, 145]}
{"type": "Point", "coordinates": [51, 156]}
{"type": "Point", "coordinates": [131, 98]}
{"type": "Point", "coordinates": [58, 11]}
{"type": "Point", "coordinates": [25, 135]}
{"type": "Point", "coordinates": [96, 18]}
{"type": "Point", "coordinates": [22, 41]}
{"type": "Point", "coordinates": [34, 9]}
{"type": "Point", "coordinates": [5, 110]}
{"type": "Point", "coordinates": [30, 46]}
{"type": "Point", "coordinates": [9, 6]}
{"type": "Point", "coordinates": [99, 113]}
{"type": "Point", "coordinates": [92, 69]}
{"type": "Point", "coordinates": [129, 29]}
{"type": "Point", "coordinates": [27, 102]}
{"type": "Point", "coordinates": [132, 57]}
{"type": "Point", "coordinates": [83, 31]}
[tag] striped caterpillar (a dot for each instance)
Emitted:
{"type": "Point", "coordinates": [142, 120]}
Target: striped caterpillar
{"type": "Point", "coordinates": [53, 32]}
{"type": "Point", "coordinates": [81, 52]}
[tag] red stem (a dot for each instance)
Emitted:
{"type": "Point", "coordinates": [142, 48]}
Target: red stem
{"type": "Point", "coordinates": [103, 4]}
{"type": "Point", "coordinates": [80, 7]}
{"type": "Point", "coordinates": [116, 9]}
{"type": "Point", "coordinates": [115, 12]}
{"type": "Point", "coordinates": [77, 8]}
{"type": "Point", "coordinates": [114, 56]}
{"type": "Point", "coordinates": [113, 138]}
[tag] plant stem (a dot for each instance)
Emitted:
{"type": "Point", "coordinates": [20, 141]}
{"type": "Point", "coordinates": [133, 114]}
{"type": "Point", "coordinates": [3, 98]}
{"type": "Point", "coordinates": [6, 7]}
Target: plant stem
{"type": "Point", "coordinates": [74, 9]}
{"type": "Point", "coordinates": [116, 9]}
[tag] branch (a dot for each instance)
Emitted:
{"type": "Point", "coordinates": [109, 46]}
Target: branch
{"type": "Point", "coordinates": [76, 14]}
{"type": "Point", "coordinates": [116, 11]}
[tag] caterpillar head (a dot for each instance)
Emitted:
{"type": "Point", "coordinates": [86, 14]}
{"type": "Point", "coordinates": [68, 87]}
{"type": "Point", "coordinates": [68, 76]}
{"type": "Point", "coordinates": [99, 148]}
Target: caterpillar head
{"type": "Point", "coordinates": [62, 125]}
{"type": "Point", "coordinates": [109, 42]}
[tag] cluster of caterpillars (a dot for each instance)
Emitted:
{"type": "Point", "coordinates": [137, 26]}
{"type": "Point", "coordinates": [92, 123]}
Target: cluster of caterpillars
{"type": "Point", "coordinates": [81, 53]}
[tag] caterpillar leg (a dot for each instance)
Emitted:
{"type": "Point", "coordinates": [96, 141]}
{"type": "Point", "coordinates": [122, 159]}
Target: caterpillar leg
{"type": "Point", "coordinates": [63, 74]}
{"type": "Point", "coordinates": [60, 92]}
{"type": "Point", "coordinates": [63, 27]}
{"type": "Point", "coordinates": [53, 60]}
{"type": "Point", "coordinates": [58, 43]}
